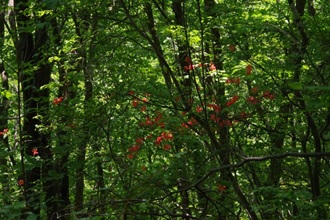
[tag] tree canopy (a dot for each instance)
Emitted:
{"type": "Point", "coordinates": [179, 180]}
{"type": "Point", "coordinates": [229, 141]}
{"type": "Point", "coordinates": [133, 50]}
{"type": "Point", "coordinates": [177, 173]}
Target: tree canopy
{"type": "Point", "coordinates": [154, 109]}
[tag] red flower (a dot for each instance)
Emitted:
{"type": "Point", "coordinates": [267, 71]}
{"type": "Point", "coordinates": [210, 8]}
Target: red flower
{"type": "Point", "coordinates": [214, 118]}
{"type": "Point", "coordinates": [248, 69]}
{"type": "Point", "coordinates": [244, 115]}
{"type": "Point", "coordinates": [131, 92]}
{"type": "Point", "coordinates": [212, 67]}
{"type": "Point", "coordinates": [254, 90]}
{"type": "Point", "coordinates": [221, 188]}
{"type": "Point", "coordinates": [189, 67]}
{"type": "Point", "coordinates": [5, 131]}
{"type": "Point", "coordinates": [268, 95]}
{"type": "Point", "coordinates": [158, 140]}
{"type": "Point", "coordinates": [143, 108]}
{"type": "Point", "coordinates": [145, 100]}
{"type": "Point", "coordinates": [252, 100]}
{"type": "Point", "coordinates": [134, 148]}
{"type": "Point", "coordinates": [167, 147]}
{"type": "Point", "coordinates": [135, 103]}
{"type": "Point", "coordinates": [57, 101]}
{"type": "Point", "coordinates": [232, 47]}
{"type": "Point", "coordinates": [233, 80]}
{"type": "Point", "coordinates": [144, 168]}
{"type": "Point", "coordinates": [130, 156]}
{"type": "Point", "coordinates": [215, 107]}
{"type": "Point", "coordinates": [187, 59]}
{"type": "Point", "coordinates": [21, 182]}
{"type": "Point", "coordinates": [35, 151]}
{"type": "Point", "coordinates": [232, 101]}
{"type": "Point", "coordinates": [148, 121]}
{"type": "Point", "coordinates": [199, 109]}
{"type": "Point", "coordinates": [167, 136]}
{"type": "Point", "coordinates": [139, 141]}
{"type": "Point", "coordinates": [226, 122]}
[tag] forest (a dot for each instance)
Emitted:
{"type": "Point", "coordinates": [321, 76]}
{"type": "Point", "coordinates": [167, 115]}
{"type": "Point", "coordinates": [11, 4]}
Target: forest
{"type": "Point", "coordinates": [165, 109]}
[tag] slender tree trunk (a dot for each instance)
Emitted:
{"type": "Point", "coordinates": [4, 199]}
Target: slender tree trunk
{"type": "Point", "coordinates": [4, 145]}
{"type": "Point", "coordinates": [84, 28]}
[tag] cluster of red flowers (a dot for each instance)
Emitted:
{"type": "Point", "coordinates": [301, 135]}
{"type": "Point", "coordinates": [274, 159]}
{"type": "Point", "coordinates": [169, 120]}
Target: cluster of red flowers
{"type": "Point", "coordinates": [232, 101]}
{"type": "Point", "coordinates": [216, 108]}
{"type": "Point", "coordinates": [5, 131]}
{"type": "Point", "coordinates": [136, 101]}
{"type": "Point", "coordinates": [212, 67]}
{"type": "Point", "coordinates": [57, 101]}
{"type": "Point", "coordinates": [233, 80]}
{"type": "Point", "coordinates": [253, 100]}
{"type": "Point", "coordinates": [165, 136]}
{"type": "Point", "coordinates": [191, 66]}
{"type": "Point", "coordinates": [135, 148]}
{"type": "Point", "coordinates": [190, 123]}
{"type": "Point", "coordinates": [157, 120]}
{"type": "Point", "coordinates": [268, 95]}
{"type": "Point", "coordinates": [248, 69]}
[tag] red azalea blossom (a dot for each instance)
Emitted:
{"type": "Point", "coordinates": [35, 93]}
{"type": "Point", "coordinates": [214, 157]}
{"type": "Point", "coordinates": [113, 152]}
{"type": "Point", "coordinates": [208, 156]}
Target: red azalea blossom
{"type": "Point", "coordinates": [226, 122]}
{"type": "Point", "coordinates": [184, 125]}
{"type": "Point", "coordinates": [268, 95]}
{"type": "Point", "coordinates": [221, 188]}
{"type": "Point", "coordinates": [131, 92]}
{"type": "Point", "coordinates": [135, 103]}
{"type": "Point", "coordinates": [5, 131]}
{"type": "Point", "coordinates": [144, 168]}
{"type": "Point", "coordinates": [214, 118]}
{"type": "Point", "coordinates": [158, 140]}
{"type": "Point", "coordinates": [199, 109]}
{"type": "Point", "coordinates": [254, 90]}
{"type": "Point", "coordinates": [232, 101]}
{"type": "Point", "coordinates": [21, 182]}
{"type": "Point", "coordinates": [148, 121]}
{"type": "Point", "coordinates": [167, 136]}
{"type": "Point", "coordinates": [212, 67]}
{"type": "Point", "coordinates": [244, 115]}
{"type": "Point", "coordinates": [233, 80]}
{"type": "Point", "coordinates": [161, 124]}
{"type": "Point", "coordinates": [232, 47]}
{"type": "Point", "coordinates": [130, 156]}
{"type": "Point", "coordinates": [167, 147]}
{"type": "Point", "coordinates": [139, 141]}
{"type": "Point", "coordinates": [215, 107]}
{"type": "Point", "coordinates": [187, 59]}
{"type": "Point", "coordinates": [57, 101]}
{"type": "Point", "coordinates": [134, 148]}
{"type": "Point", "coordinates": [248, 69]}
{"type": "Point", "coordinates": [35, 151]}
{"type": "Point", "coordinates": [252, 100]}
{"type": "Point", "coordinates": [189, 67]}
{"type": "Point", "coordinates": [145, 100]}
{"type": "Point", "coordinates": [143, 108]}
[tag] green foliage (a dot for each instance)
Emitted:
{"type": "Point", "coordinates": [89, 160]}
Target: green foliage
{"type": "Point", "coordinates": [219, 115]}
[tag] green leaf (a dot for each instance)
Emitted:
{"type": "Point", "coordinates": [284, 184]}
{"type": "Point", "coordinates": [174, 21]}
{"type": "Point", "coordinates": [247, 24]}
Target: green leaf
{"type": "Point", "coordinates": [295, 85]}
